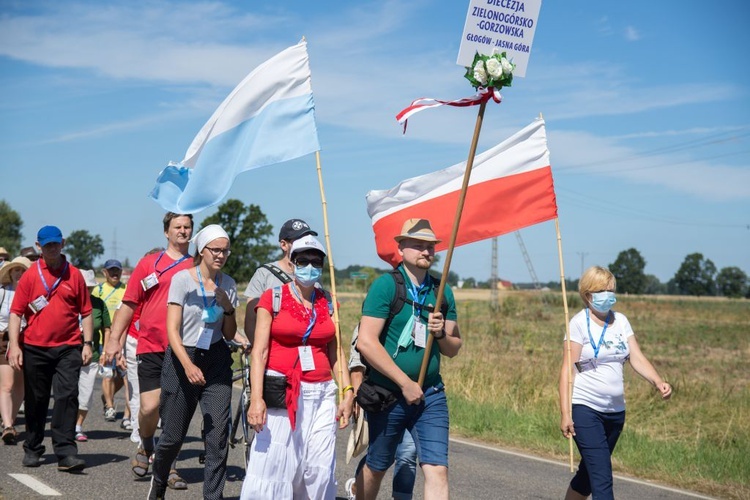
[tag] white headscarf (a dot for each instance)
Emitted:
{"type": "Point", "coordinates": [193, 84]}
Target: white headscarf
{"type": "Point", "coordinates": [207, 235]}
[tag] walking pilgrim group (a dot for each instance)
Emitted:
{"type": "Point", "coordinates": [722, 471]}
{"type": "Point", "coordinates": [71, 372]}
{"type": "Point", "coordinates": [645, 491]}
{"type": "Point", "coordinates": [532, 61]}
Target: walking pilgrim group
{"type": "Point", "coordinates": [163, 337]}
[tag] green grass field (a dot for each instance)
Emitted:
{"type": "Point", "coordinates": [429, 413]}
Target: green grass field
{"type": "Point", "coordinates": [502, 387]}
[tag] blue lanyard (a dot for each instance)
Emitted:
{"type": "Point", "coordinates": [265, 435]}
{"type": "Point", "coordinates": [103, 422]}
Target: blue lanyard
{"type": "Point", "coordinates": [203, 290]}
{"type": "Point", "coordinates": [44, 282]}
{"type": "Point", "coordinates": [591, 338]}
{"type": "Point", "coordinates": [417, 307]}
{"type": "Point", "coordinates": [114, 289]}
{"type": "Point", "coordinates": [313, 315]}
{"type": "Point", "coordinates": [169, 266]}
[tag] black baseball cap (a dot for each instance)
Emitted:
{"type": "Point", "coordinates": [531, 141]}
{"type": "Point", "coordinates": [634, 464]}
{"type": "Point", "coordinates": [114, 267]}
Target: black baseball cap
{"type": "Point", "coordinates": [294, 229]}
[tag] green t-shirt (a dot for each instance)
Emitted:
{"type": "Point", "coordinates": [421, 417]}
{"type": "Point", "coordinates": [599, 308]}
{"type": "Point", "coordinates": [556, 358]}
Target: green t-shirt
{"type": "Point", "coordinates": [409, 360]}
{"type": "Point", "coordinates": [100, 315]}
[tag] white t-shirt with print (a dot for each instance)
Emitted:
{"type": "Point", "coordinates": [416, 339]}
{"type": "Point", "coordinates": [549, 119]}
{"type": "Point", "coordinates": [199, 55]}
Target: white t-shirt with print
{"type": "Point", "coordinates": [601, 388]}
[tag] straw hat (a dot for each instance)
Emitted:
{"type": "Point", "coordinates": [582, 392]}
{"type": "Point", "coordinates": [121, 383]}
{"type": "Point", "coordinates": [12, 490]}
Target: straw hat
{"type": "Point", "coordinates": [359, 438]}
{"type": "Point", "coordinates": [18, 262]}
{"type": "Point", "coordinates": [417, 229]}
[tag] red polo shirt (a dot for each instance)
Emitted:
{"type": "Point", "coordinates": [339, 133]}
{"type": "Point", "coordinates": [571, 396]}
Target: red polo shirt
{"type": "Point", "coordinates": [57, 323]}
{"type": "Point", "coordinates": [152, 331]}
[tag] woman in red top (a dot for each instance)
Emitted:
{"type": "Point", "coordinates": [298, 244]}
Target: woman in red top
{"type": "Point", "coordinates": [296, 339]}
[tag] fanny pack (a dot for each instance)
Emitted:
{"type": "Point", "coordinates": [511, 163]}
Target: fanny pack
{"type": "Point", "coordinates": [374, 398]}
{"type": "Point", "coordinates": [274, 391]}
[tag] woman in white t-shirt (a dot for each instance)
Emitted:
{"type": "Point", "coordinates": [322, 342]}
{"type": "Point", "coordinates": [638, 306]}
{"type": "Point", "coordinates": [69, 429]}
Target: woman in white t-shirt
{"type": "Point", "coordinates": [198, 364]}
{"type": "Point", "coordinates": [602, 340]}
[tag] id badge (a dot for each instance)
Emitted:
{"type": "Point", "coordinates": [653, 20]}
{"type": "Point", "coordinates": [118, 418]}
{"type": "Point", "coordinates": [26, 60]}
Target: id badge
{"type": "Point", "coordinates": [306, 361]}
{"type": "Point", "coordinates": [38, 304]}
{"type": "Point", "coordinates": [204, 340]}
{"type": "Point", "coordinates": [586, 365]}
{"type": "Point", "coordinates": [420, 334]}
{"type": "Point", "coordinates": [149, 282]}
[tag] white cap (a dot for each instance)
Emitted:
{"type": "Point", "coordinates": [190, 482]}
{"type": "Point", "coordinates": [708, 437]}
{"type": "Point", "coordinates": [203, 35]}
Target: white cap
{"type": "Point", "coordinates": [307, 242]}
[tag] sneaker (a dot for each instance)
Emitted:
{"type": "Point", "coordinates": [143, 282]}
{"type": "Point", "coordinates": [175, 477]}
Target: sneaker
{"type": "Point", "coordinates": [110, 414]}
{"type": "Point", "coordinates": [31, 459]}
{"type": "Point", "coordinates": [125, 424]}
{"type": "Point", "coordinates": [9, 435]}
{"type": "Point", "coordinates": [71, 463]}
{"type": "Point", "coordinates": [156, 492]}
{"type": "Point", "coordinates": [349, 488]}
{"type": "Point", "coordinates": [81, 437]}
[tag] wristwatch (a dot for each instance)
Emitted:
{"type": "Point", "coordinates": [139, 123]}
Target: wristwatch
{"type": "Point", "coordinates": [89, 343]}
{"type": "Point", "coordinates": [228, 313]}
{"type": "Point", "coordinates": [442, 336]}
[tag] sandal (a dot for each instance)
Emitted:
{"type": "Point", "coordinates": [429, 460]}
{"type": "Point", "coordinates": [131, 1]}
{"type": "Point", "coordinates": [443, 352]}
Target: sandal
{"type": "Point", "coordinates": [9, 435]}
{"type": "Point", "coordinates": [139, 465]}
{"type": "Point", "coordinates": [175, 482]}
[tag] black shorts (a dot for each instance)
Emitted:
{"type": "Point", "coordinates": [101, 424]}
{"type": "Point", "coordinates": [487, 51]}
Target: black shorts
{"type": "Point", "coordinates": [149, 371]}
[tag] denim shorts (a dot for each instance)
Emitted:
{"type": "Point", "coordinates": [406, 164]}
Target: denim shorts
{"type": "Point", "coordinates": [427, 422]}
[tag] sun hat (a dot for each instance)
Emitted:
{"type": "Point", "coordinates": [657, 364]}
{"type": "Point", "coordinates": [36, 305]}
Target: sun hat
{"type": "Point", "coordinates": [49, 234]}
{"type": "Point", "coordinates": [4, 252]}
{"type": "Point", "coordinates": [417, 229]}
{"type": "Point", "coordinates": [294, 229]}
{"type": "Point", "coordinates": [359, 437]}
{"type": "Point", "coordinates": [30, 253]}
{"type": "Point", "coordinates": [18, 262]}
{"type": "Point", "coordinates": [89, 276]}
{"type": "Point", "coordinates": [309, 242]}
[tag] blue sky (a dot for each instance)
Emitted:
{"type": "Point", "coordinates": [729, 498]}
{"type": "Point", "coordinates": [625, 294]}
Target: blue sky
{"type": "Point", "coordinates": [646, 105]}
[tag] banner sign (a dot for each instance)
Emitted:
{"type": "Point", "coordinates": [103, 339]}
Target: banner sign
{"type": "Point", "coordinates": [500, 26]}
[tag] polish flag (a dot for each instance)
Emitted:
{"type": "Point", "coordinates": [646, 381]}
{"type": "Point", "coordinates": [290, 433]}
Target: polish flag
{"type": "Point", "coordinates": [510, 188]}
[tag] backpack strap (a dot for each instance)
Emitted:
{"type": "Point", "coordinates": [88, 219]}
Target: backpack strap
{"type": "Point", "coordinates": [400, 298]}
{"type": "Point", "coordinates": [278, 272]}
{"type": "Point", "coordinates": [276, 302]}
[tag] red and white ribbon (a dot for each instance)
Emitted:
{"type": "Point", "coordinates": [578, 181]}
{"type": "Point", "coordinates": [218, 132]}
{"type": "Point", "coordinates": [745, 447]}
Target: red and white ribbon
{"type": "Point", "coordinates": [417, 105]}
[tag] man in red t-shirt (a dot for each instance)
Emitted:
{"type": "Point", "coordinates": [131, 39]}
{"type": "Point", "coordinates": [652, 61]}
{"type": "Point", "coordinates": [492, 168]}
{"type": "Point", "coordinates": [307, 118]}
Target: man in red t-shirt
{"type": "Point", "coordinates": [148, 288]}
{"type": "Point", "coordinates": [51, 296]}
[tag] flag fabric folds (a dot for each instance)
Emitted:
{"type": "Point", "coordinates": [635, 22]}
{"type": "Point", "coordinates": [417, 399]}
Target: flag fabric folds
{"type": "Point", "coordinates": [268, 118]}
{"type": "Point", "coordinates": [510, 188]}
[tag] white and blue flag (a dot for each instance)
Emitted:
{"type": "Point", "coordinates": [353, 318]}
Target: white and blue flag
{"type": "Point", "coordinates": [268, 118]}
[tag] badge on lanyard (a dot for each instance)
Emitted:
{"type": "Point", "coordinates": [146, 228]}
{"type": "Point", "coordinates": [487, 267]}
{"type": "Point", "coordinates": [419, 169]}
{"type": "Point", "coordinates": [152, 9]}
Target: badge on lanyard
{"type": "Point", "coordinates": [38, 304]}
{"type": "Point", "coordinates": [586, 365]}
{"type": "Point", "coordinates": [149, 281]}
{"type": "Point", "coordinates": [306, 361]}
{"type": "Point", "coordinates": [204, 340]}
{"type": "Point", "coordinates": [420, 333]}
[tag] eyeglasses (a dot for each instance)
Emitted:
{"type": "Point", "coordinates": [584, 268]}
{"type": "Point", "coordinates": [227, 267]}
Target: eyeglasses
{"type": "Point", "coordinates": [304, 262]}
{"type": "Point", "coordinates": [219, 251]}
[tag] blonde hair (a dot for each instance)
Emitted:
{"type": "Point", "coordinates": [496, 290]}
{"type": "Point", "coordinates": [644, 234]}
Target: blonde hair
{"type": "Point", "coordinates": [594, 279]}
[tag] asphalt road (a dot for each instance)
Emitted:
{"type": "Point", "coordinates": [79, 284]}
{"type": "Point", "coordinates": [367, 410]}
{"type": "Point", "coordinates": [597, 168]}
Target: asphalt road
{"type": "Point", "coordinates": [477, 471]}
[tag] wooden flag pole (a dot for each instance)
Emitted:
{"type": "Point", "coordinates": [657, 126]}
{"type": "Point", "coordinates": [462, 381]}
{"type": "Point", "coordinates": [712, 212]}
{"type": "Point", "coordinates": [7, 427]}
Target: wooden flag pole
{"type": "Point", "coordinates": [567, 335]}
{"type": "Point", "coordinates": [454, 234]}
{"type": "Point", "coordinates": [339, 350]}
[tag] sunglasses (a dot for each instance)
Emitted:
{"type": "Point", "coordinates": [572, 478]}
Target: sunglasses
{"type": "Point", "coordinates": [304, 262]}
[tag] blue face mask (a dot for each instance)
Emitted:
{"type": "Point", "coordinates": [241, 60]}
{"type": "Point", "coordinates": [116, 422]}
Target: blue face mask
{"type": "Point", "coordinates": [212, 314]}
{"type": "Point", "coordinates": [603, 301]}
{"type": "Point", "coordinates": [307, 275]}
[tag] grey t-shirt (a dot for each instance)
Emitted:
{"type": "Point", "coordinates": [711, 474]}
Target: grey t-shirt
{"type": "Point", "coordinates": [262, 280]}
{"type": "Point", "coordinates": [186, 292]}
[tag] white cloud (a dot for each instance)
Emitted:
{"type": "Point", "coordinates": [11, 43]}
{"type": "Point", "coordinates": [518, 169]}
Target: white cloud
{"type": "Point", "coordinates": [632, 34]}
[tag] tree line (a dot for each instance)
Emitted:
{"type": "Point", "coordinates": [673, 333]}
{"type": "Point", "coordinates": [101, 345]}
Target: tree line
{"type": "Point", "coordinates": [252, 245]}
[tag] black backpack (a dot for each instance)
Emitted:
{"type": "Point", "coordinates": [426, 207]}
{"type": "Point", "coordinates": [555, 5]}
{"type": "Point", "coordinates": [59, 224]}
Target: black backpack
{"type": "Point", "coordinates": [400, 298]}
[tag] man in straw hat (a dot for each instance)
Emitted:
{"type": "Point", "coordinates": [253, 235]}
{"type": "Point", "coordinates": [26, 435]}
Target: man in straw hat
{"type": "Point", "coordinates": [4, 256]}
{"type": "Point", "coordinates": [11, 381]}
{"type": "Point", "coordinates": [395, 357]}
{"type": "Point", "coordinates": [51, 296]}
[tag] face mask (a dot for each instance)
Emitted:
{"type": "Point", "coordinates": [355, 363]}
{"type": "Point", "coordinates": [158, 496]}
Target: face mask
{"type": "Point", "coordinates": [212, 314]}
{"type": "Point", "coordinates": [603, 301]}
{"type": "Point", "coordinates": [308, 275]}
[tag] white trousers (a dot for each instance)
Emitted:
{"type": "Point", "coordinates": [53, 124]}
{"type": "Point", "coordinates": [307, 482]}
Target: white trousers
{"type": "Point", "coordinates": [131, 343]}
{"type": "Point", "coordinates": [86, 385]}
{"type": "Point", "coordinates": [299, 464]}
